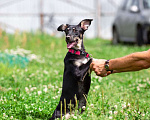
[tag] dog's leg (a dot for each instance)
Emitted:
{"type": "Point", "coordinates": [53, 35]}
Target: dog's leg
{"type": "Point", "coordinates": [84, 82]}
{"type": "Point", "coordinates": [80, 72]}
{"type": "Point", "coordinates": [84, 87]}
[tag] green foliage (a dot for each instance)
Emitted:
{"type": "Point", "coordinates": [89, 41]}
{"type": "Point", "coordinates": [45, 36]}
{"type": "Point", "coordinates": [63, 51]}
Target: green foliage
{"type": "Point", "coordinates": [33, 92]}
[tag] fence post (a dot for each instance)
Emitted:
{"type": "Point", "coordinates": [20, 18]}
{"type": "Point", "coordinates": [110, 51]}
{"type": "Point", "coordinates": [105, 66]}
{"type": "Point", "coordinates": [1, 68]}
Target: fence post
{"type": "Point", "coordinates": [97, 18]}
{"type": "Point", "coordinates": [41, 15]}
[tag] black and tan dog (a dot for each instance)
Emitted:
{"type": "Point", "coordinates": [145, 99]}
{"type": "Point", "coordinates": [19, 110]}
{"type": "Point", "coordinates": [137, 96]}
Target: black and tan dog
{"type": "Point", "coordinates": [76, 78]}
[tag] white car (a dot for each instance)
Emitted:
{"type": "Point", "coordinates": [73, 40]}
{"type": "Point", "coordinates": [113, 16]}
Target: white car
{"type": "Point", "coordinates": [132, 22]}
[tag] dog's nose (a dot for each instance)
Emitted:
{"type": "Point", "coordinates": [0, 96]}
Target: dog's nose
{"type": "Point", "coordinates": [67, 37]}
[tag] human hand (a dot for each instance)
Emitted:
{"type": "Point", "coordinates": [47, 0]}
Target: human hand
{"type": "Point", "coordinates": [98, 66]}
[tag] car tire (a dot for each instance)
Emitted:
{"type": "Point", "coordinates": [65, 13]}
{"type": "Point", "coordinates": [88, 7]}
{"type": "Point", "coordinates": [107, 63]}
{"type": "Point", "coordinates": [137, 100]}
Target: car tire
{"type": "Point", "coordinates": [139, 37]}
{"type": "Point", "coordinates": [115, 39]}
{"type": "Point", "coordinates": [148, 36]}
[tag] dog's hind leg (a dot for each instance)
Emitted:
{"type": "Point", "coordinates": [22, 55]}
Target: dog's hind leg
{"type": "Point", "coordinates": [82, 103]}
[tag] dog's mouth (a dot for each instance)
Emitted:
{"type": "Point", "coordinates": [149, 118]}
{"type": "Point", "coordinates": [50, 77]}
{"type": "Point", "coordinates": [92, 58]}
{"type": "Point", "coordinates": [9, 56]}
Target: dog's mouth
{"type": "Point", "coordinates": [72, 44]}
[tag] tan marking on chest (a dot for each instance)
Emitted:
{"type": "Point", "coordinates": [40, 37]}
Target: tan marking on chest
{"type": "Point", "coordinates": [81, 61]}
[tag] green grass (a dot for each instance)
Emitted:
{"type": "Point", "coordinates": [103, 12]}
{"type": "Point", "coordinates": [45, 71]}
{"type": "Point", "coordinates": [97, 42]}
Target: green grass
{"type": "Point", "coordinates": [33, 92]}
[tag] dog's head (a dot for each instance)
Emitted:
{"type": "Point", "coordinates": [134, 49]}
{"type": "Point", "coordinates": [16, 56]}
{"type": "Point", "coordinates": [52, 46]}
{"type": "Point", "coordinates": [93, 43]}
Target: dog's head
{"type": "Point", "coordinates": [74, 33]}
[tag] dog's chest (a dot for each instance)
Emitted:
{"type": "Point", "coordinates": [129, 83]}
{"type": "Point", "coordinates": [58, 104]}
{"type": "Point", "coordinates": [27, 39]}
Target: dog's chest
{"type": "Point", "coordinates": [80, 62]}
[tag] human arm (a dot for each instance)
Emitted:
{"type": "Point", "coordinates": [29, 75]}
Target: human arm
{"type": "Point", "coordinates": [132, 62]}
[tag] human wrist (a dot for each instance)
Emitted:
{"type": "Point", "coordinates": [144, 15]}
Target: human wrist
{"type": "Point", "coordinates": [111, 67]}
{"type": "Point", "coordinates": [110, 64]}
{"type": "Point", "coordinates": [107, 66]}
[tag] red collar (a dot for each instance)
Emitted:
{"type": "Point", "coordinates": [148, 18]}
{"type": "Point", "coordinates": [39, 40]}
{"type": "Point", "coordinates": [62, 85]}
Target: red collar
{"type": "Point", "coordinates": [79, 52]}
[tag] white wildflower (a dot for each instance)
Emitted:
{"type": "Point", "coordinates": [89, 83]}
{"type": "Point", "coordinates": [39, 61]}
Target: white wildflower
{"type": "Point", "coordinates": [33, 57]}
{"type": "Point", "coordinates": [45, 89]}
{"type": "Point", "coordinates": [27, 89]}
{"type": "Point", "coordinates": [32, 75]}
{"type": "Point", "coordinates": [39, 92]}
{"type": "Point", "coordinates": [128, 105]}
{"type": "Point", "coordinates": [75, 117]}
{"type": "Point", "coordinates": [56, 72]}
{"type": "Point", "coordinates": [115, 112]}
{"type": "Point", "coordinates": [110, 112]}
{"type": "Point", "coordinates": [13, 76]}
{"type": "Point", "coordinates": [45, 86]}
{"type": "Point", "coordinates": [138, 88]}
{"type": "Point", "coordinates": [4, 114]}
{"type": "Point", "coordinates": [110, 117]}
{"type": "Point", "coordinates": [10, 88]}
{"type": "Point", "coordinates": [31, 111]}
{"type": "Point", "coordinates": [121, 111]}
{"type": "Point", "coordinates": [139, 112]}
{"type": "Point", "coordinates": [40, 109]}
{"type": "Point", "coordinates": [67, 116]}
{"type": "Point", "coordinates": [97, 87]}
{"type": "Point", "coordinates": [83, 107]}
{"type": "Point", "coordinates": [11, 117]}
{"type": "Point", "coordinates": [100, 79]}
{"type": "Point", "coordinates": [33, 88]}
{"type": "Point", "coordinates": [45, 72]}
{"type": "Point", "coordinates": [56, 96]}
{"type": "Point", "coordinates": [115, 106]}
{"type": "Point", "coordinates": [124, 106]}
{"type": "Point", "coordinates": [92, 105]}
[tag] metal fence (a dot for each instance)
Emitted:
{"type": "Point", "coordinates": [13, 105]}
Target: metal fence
{"type": "Point", "coordinates": [47, 15]}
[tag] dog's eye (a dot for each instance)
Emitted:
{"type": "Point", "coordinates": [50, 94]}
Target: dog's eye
{"type": "Point", "coordinates": [74, 30]}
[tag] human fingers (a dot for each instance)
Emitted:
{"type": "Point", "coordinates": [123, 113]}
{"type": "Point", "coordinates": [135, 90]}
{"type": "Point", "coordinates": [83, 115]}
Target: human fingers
{"type": "Point", "coordinates": [91, 66]}
{"type": "Point", "coordinates": [108, 73]}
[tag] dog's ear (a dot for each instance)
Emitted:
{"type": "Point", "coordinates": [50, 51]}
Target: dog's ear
{"type": "Point", "coordinates": [62, 27]}
{"type": "Point", "coordinates": [84, 24]}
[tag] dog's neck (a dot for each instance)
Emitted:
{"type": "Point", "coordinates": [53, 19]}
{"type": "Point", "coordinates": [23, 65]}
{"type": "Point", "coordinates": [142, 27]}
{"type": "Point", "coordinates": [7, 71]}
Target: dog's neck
{"type": "Point", "coordinates": [82, 46]}
{"type": "Point", "coordinates": [79, 52]}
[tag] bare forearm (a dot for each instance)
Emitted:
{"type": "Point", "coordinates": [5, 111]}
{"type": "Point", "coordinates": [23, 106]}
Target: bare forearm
{"type": "Point", "coordinates": [132, 62]}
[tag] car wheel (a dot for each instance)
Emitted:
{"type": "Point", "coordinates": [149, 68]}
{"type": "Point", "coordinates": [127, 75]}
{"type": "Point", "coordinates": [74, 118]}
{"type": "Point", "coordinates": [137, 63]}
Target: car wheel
{"type": "Point", "coordinates": [115, 39]}
{"type": "Point", "coordinates": [139, 39]}
{"type": "Point", "coordinates": [148, 36]}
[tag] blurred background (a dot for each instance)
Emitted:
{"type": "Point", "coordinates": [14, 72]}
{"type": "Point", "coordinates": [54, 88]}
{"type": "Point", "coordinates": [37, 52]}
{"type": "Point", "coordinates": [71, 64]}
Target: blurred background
{"type": "Point", "coordinates": [32, 54]}
{"type": "Point", "coordinates": [47, 15]}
